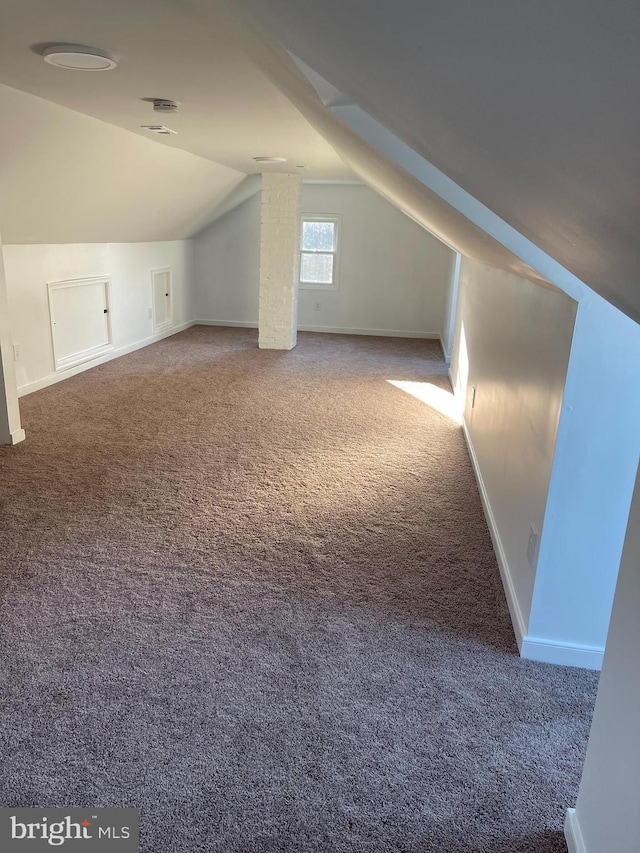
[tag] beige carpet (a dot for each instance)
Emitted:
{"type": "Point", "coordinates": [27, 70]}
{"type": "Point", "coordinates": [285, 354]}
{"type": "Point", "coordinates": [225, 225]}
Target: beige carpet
{"type": "Point", "coordinates": [253, 594]}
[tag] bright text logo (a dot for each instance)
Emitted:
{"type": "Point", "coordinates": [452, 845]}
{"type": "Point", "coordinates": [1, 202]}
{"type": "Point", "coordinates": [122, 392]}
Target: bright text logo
{"type": "Point", "coordinates": [105, 830]}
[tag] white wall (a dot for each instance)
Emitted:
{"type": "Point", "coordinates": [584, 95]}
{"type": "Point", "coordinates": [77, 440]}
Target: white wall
{"type": "Point", "coordinates": [393, 275]}
{"type": "Point", "coordinates": [513, 343]}
{"type": "Point", "coordinates": [591, 486]}
{"type": "Point", "coordinates": [607, 817]}
{"type": "Point", "coordinates": [555, 433]}
{"type": "Point", "coordinates": [30, 267]}
{"type": "Point", "coordinates": [227, 267]}
{"type": "Point", "coordinates": [447, 337]}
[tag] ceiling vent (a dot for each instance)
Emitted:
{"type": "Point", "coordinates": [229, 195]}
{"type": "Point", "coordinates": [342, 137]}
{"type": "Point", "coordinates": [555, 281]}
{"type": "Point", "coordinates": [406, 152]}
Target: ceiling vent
{"type": "Point", "coordinates": [158, 128]}
{"type": "Point", "coordinates": [162, 105]}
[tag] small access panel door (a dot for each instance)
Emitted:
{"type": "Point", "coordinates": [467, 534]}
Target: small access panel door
{"type": "Point", "coordinates": [162, 308]}
{"type": "Point", "coordinates": [80, 320]}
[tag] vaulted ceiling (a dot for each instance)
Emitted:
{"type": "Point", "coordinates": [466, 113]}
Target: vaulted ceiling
{"type": "Point", "coordinates": [229, 110]}
{"type": "Point", "coordinates": [75, 163]}
{"type": "Point", "coordinates": [530, 107]}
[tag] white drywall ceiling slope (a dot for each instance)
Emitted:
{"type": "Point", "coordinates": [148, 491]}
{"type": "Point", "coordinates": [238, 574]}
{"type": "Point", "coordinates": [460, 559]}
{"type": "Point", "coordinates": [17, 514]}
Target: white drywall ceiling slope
{"type": "Point", "coordinates": [68, 178]}
{"type": "Point", "coordinates": [372, 166]}
{"type": "Point", "coordinates": [229, 110]}
{"type": "Point", "coordinates": [530, 107]}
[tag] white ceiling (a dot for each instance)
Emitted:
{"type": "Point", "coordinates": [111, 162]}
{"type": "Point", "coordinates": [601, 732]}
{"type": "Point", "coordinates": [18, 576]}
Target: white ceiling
{"type": "Point", "coordinates": [229, 111]}
{"type": "Point", "coordinates": [69, 178]}
{"type": "Point", "coordinates": [529, 106]}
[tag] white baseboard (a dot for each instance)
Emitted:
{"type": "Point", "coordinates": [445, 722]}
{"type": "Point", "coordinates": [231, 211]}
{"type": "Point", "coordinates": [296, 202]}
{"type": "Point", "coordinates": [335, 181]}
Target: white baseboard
{"type": "Point", "coordinates": [235, 324]}
{"type": "Point", "coordinates": [563, 654]}
{"type": "Point", "coordinates": [333, 330]}
{"type": "Point", "coordinates": [52, 378]}
{"type": "Point", "coordinates": [377, 333]}
{"type": "Point", "coordinates": [573, 834]}
{"type": "Point", "coordinates": [446, 355]}
{"type": "Point", "coordinates": [517, 619]}
{"type": "Point", "coordinates": [17, 436]}
{"type": "Point", "coordinates": [543, 650]}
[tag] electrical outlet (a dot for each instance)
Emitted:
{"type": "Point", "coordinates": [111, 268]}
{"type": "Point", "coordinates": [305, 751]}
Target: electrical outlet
{"type": "Point", "coordinates": [473, 396]}
{"type": "Point", "coordinates": [532, 547]}
{"type": "Point", "coordinates": [17, 355]}
{"type": "Point", "coordinates": [316, 306]}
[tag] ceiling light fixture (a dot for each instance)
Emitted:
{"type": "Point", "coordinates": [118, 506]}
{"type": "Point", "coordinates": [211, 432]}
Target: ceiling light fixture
{"type": "Point", "coordinates": [270, 159]}
{"type": "Point", "coordinates": [76, 57]}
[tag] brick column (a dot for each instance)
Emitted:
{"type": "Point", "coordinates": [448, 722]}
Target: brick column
{"type": "Point", "coordinates": [279, 259]}
{"type": "Point", "coordinates": [11, 431]}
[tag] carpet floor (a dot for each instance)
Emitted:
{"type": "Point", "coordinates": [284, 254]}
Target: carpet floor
{"type": "Point", "coordinates": [253, 594]}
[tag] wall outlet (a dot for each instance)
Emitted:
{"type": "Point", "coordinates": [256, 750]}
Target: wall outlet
{"type": "Point", "coordinates": [151, 313]}
{"type": "Point", "coordinates": [316, 306]}
{"type": "Point", "coordinates": [532, 547]}
{"type": "Point", "coordinates": [473, 396]}
{"type": "Point", "coordinates": [17, 354]}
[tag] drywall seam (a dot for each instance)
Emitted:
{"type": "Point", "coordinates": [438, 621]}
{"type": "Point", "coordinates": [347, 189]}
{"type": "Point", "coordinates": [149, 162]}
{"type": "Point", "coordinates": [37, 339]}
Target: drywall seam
{"type": "Point", "coordinates": [53, 378]}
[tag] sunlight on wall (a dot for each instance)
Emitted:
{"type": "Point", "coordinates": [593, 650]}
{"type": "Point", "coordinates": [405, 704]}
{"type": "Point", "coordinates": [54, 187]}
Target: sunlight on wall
{"type": "Point", "coordinates": [462, 376]}
{"type": "Point", "coordinates": [437, 398]}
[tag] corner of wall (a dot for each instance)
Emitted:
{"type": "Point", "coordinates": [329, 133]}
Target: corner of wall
{"type": "Point", "coordinates": [562, 653]}
{"type": "Point", "coordinates": [573, 834]}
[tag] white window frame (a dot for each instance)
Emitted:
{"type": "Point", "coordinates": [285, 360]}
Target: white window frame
{"type": "Point", "coordinates": [336, 218]}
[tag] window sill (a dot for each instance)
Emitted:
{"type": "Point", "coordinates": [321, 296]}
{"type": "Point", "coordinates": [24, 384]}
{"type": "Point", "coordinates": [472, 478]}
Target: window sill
{"type": "Point", "coordinates": [307, 285]}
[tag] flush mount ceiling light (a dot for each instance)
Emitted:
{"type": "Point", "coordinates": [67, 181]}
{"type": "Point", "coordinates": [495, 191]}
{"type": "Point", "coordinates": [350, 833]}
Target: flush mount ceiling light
{"type": "Point", "coordinates": [76, 57]}
{"type": "Point", "coordinates": [270, 159]}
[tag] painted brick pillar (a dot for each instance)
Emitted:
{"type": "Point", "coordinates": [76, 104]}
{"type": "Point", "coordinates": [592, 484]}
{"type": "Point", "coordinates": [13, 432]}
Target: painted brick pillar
{"type": "Point", "coordinates": [11, 431]}
{"type": "Point", "coordinates": [279, 259]}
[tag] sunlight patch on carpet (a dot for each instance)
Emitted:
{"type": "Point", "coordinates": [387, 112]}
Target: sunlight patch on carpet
{"type": "Point", "coordinates": [437, 398]}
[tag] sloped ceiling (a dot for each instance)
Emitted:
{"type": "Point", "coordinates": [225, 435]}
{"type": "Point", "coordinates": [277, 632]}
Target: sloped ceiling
{"type": "Point", "coordinates": [68, 178]}
{"type": "Point", "coordinates": [75, 165]}
{"type": "Point", "coordinates": [229, 110]}
{"type": "Point", "coordinates": [373, 167]}
{"type": "Point", "coordinates": [530, 107]}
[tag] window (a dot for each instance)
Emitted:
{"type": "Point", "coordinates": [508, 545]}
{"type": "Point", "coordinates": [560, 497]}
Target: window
{"type": "Point", "coordinates": [318, 252]}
